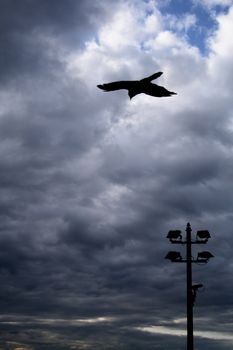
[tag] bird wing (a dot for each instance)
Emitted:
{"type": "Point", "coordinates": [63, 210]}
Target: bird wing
{"type": "Point", "coordinates": [152, 77]}
{"type": "Point", "coordinates": [157, 90]}
{"type": "Point", "coordinates": [117, 85]}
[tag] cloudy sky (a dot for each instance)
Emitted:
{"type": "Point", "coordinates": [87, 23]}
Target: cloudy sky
{"type": "Point", "coordinates": [91, 182]}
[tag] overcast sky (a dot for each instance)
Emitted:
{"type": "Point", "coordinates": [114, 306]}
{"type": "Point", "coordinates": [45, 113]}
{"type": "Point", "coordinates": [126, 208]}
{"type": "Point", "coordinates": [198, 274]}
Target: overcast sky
{"type": "Point", "coordinates": [91, 182]}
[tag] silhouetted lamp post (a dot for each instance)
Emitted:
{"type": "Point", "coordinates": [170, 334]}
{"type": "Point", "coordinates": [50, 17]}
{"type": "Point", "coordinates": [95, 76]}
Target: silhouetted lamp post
{"type": "Point", "coordinates": [202, 237]}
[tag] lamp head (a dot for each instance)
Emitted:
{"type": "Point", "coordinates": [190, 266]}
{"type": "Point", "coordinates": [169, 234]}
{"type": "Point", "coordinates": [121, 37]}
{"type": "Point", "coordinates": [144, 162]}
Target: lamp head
{"type": "Point", "coordinates": [173, 256]}
{"type": "Point", "coordinates": [203, 234]}
{"type": "Point", "coordinates": [174, 235]}
{"type": "Point", "coordinates": [204, 256]}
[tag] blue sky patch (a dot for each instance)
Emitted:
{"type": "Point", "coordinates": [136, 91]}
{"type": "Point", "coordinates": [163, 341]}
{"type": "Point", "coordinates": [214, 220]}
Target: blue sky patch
{"type": "Point", "coordinates": [206, 20]}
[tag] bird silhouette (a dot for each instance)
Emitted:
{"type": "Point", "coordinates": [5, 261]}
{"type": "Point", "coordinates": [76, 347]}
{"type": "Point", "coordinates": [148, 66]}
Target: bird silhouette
{"type": "Point", "coordinates": [136, 87]}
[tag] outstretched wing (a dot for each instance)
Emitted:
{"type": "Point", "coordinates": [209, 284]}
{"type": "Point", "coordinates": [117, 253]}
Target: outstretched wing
{"type": "Point", "coordinates": [157, 91]}
{"type": "Point", "coordinates": [152, 77]}
{"type": "Point", "coordinates": [117, 85]}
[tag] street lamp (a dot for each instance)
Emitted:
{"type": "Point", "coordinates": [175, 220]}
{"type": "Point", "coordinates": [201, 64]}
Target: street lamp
{"type": "Point", "coordinates": [202, 237]}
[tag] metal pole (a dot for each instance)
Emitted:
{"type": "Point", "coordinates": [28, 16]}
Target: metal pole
{"type": "Point", "coordinates": [189, 289]}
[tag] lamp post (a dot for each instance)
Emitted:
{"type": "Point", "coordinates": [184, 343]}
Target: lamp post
{"type": "Point", "coordinates": [202, 237]}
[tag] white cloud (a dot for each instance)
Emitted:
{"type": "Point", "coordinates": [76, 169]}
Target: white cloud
{"type": "Point", "coordinates": [181, 23]}
{"type": "Point", "coordinates": [221, 46]}
{"type": "Point", "coordinates": [119, 54]}
{"type": "Point", "coordinates": [133, 44]}
{"type": "Point", "coordinates": [182, 332]}
{"type": "Point", "coordinates": [156, 133]}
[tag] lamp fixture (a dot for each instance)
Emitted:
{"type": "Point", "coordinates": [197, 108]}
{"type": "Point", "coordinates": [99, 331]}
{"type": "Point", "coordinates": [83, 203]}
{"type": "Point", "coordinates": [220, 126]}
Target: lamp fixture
{"type": "Point", "coordinates": [174, 235]}
{"type": "Point", "coordinates": [173, 256]}
{"type": "Point", "coordinates": [203, 235]}
{"type": "Point", "coordinates": [204, 256]}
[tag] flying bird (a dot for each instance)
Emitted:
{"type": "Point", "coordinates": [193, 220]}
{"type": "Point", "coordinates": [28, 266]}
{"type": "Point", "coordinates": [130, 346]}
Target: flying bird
{"type": "Point", "coordinates": [136, 87]}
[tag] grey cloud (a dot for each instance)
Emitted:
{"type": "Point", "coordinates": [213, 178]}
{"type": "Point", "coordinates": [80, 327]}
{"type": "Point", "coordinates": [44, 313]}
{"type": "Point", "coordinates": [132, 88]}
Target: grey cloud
{"type": "Point", "coordinates": [70, 21]}
{"type": "Point", "coordinates": [84, 220]}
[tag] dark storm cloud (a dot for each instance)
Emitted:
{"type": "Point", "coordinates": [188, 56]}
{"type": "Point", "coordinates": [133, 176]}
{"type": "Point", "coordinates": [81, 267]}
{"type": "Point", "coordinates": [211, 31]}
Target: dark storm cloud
{"type": "Point", "coordinates": [35, 128]}
{"type": "Point", "coordinates": [73, 21]}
